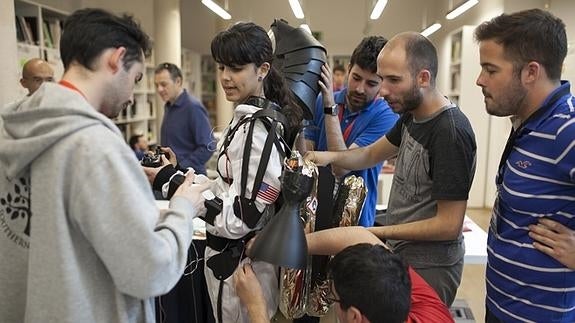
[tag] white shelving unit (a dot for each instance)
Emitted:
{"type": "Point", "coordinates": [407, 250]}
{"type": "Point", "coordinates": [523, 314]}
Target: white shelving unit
{"type": "Point", "coordinates": [464, 69]}
{"type": "Point", "coordinates": [141, 117]}
{"type": "Point", "coordinates": [38, 29]}
{"type": "Point", "coordinates": [38, 34]}
{"type": "Point", "coordinates": [208, 86]}
{"type": "Point", "coordinates": [192, 72]}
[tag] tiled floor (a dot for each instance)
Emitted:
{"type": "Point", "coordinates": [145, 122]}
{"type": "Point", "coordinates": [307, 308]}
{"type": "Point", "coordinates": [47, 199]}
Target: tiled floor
{"type": "Point", "coordinates": [472, 288]}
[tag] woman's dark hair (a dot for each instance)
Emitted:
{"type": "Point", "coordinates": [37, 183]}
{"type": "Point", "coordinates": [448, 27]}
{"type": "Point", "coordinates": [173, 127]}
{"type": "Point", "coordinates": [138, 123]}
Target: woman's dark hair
{"type": "Point", "coordinates": [244, 43]}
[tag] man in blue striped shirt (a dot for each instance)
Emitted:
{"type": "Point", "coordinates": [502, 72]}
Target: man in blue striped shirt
{"type": "Point", "coordinates": [521, 56]}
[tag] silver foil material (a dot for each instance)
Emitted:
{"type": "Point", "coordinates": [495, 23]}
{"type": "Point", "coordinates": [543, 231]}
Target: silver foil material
{"type": "Point", "coordinates": [348, 205]}
{"type": "Point", "coordinates": [295, 283]}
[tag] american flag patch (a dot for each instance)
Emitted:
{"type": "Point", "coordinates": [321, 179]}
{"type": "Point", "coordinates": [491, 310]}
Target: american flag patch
{"type": "Point", "coordinates": [268, 193]}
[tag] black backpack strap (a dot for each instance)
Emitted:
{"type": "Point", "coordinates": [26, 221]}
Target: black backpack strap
{"type": "Point", "coordinates": [246, 158]}
{"type": "Point", "coordinates": [263, 165]}
{"type": "Point", "coordinates": [228, 140]}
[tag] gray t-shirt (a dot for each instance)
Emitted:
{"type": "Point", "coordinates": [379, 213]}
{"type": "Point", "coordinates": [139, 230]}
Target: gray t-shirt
{"type": "Point", "coordinates": [436, 161]}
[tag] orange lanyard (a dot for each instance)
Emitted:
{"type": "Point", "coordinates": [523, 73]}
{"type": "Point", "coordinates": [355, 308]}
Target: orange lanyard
{"type": "Point", "coordinates": [71, 87]}
{"type": "Point", "coordinates": [347, 130]}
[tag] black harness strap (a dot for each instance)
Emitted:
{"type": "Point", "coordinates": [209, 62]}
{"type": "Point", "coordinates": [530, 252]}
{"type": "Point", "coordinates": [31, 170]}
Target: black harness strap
{"type": "Point", "coordinates": [224, 263]}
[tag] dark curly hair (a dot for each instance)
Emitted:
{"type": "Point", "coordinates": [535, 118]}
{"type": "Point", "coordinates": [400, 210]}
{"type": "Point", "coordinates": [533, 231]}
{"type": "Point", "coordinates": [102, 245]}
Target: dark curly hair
{"type": "Point", "coordinates": [365, 54]}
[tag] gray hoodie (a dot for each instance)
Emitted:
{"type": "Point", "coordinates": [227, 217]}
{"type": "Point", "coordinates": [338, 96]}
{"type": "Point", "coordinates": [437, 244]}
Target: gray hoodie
{"type": "Point", "coordinates": [81, 239]}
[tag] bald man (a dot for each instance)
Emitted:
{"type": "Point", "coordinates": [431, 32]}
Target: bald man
{"type": "Point", "coordinates": [35, 72]}
{"type": "Point", "coordinates": [435, 149]}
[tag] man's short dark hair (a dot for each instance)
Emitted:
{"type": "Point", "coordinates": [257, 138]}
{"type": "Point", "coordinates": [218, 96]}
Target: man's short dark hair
{"type": "Point", "coordinates": [373, 280]}
{"type": "Point", "coordinates": [421, 55]}
{"type": "Point", "coordinates": [365, 54]}
{"type": "Point", "coordinates": [529, 35]}
{"type": "Point", "coordinates": [174, 71]}
{"type": "Point", "coordinates": [134, 140]}
{"type": "Point", "coordinates": [89, 32]}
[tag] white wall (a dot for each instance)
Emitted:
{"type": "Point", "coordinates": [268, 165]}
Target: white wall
{"type": "Point", "coordinates": [564, 9]}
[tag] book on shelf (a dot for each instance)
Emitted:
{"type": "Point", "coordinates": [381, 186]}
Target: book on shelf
{"type": "Point", "coordinates": [48, 40]}
{"type": "Point", "coordinates": [456, 50]}
{"type": "Point", "coordinates": [55, 28]}
{"type": "Point", "coordinates": [455, 81]}
{"type": "Point", "coordinates": [32, 29]}
{"type": "Point", "coordinates": [20, 37]}
{"type": "Point", "coordinates": [151, 109]}
{"type": "Point", "coordinates": [28, 29]}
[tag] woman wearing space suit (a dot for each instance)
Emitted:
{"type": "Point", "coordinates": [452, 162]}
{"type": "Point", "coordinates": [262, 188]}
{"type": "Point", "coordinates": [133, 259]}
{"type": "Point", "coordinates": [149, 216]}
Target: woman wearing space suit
{"type": "Point", "coordinates": [249, 164]}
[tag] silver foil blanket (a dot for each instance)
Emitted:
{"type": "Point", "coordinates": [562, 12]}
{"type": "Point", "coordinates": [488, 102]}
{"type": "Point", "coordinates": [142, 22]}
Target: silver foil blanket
{"type": "Point", "coordinates": [295, 283]}
{"type": "Point", "coordinates": [299, 293]}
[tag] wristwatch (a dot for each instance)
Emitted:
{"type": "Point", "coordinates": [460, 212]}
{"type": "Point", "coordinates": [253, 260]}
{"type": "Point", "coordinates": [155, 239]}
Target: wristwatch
{"type": "Point", "coordinates": [333, 110]}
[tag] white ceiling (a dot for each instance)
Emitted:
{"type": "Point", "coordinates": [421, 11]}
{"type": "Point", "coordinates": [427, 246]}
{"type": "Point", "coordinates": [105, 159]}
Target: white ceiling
{"type": "Point", "coordinates": [342, 22]}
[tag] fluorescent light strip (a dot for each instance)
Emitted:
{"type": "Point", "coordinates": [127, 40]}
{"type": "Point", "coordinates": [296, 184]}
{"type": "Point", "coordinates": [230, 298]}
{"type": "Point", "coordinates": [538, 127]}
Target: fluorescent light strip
{"type": "Point", "coordinates": [378, 9]}
{"type": "Point", "coordinates": [431, 29]}
{"type": "Point", "coordinates": [305, 27]}
{"type": "Point", "coordinates": [296, 8]}
{"type": "Point", "coordinates": [217, 9]}
{"type": "Point", "coordinates": [461, 9]}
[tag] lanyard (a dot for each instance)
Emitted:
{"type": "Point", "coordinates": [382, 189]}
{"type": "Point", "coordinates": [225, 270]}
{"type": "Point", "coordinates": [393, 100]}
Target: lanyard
{"type": "Point", "coordinates": [347, 130]}
{"type": "Point", "coordinates": [515, 133]}
{"type": "Point", "coordinates": [71, 87]}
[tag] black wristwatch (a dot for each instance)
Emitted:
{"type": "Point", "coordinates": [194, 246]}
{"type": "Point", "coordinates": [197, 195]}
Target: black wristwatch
{"type": "Point", "coordinates": [333, 110]}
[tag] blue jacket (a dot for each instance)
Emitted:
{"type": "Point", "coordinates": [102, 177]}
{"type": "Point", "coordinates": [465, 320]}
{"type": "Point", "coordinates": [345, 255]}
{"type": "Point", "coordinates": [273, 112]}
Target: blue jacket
{"type": "Point", "coordinates": [186, 129]}
{"type": "Point", "coordinates": [368, 125]}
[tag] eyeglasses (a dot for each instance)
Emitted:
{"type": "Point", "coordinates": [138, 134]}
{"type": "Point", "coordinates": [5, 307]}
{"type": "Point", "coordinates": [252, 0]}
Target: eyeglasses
{"type": "Point", "coordinates": [330, 295]}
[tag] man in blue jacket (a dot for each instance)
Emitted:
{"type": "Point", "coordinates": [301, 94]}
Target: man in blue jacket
{"type": "Point", "coordinates": [185, 127]}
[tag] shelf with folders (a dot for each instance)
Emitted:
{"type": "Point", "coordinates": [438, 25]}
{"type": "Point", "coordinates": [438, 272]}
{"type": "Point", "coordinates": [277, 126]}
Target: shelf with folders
{"type": "Point", "coordinates": [209, 83]}
{"type": "Point", "coordinates": [463, 70]}
{"type": "Point", "coordinates": [38, 33]}
{"type": "Point", "coordinates": [140, 118]}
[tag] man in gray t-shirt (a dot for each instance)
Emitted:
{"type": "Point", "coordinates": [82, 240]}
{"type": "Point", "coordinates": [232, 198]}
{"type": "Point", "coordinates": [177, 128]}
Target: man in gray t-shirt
{"type": "Point", "coordinates": [435, 146]}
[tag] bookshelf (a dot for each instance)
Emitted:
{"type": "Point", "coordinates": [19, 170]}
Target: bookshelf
{"type": "Point", "coordinates": [38, 30]}
{"type": "Point", "coordinates": [209, 84]}
{"type": "Point", "coordinates": [191, 71]}
{"type": "Point", "coordinates": [464, 69]}
{"type": "Point", "coordinates": [141, 117]}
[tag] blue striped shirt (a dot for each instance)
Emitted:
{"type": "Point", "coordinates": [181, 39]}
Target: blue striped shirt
{"type": "Point", "coordinates": [524, 284]}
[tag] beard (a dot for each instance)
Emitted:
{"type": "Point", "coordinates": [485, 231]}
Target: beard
{"type": "Point", "coordinates": [355, 100]}
{"type": "Point", "coordinates": [510, 101]}
{"type": "Point", "coordinates": [412, 99]}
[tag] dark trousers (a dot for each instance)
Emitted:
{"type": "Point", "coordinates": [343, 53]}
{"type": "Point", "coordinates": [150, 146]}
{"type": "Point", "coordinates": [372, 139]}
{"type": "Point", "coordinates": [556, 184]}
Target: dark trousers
{"type": "Point", "coordinates": [490, 318]}
{"type": "Point", "coordinates": [188, 301]}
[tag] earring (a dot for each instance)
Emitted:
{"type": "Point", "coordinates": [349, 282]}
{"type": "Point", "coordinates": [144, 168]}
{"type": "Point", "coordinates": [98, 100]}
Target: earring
{"type": "Point", "coordinates": [260, 78]}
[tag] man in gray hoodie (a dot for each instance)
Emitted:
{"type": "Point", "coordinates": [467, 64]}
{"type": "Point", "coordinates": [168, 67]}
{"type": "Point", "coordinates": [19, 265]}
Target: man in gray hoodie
{"type": "Point", "coordinates": [81, 239]}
